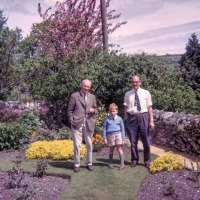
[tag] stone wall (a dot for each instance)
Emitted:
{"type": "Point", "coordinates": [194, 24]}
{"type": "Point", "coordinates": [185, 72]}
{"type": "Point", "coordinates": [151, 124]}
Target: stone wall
{"type": "Point", "coordinates": [178, 131]}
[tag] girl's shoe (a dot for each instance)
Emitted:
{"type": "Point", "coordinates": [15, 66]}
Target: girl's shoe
{"type": "Point", "coordinates": [110, 166]}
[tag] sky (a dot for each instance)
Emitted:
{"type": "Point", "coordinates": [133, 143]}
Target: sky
{"type": "Point", "coordinates": [153, 26]}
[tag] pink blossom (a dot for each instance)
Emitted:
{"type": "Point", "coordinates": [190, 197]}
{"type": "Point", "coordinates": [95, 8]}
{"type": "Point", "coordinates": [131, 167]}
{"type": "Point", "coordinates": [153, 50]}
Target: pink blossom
{"type": "Point", "coordinates": [74, 24]}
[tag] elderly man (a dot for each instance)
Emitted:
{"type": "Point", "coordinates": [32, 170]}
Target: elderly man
{"type": "Point", "coordinates": [81, 111]}
{"type": "Point", "coordinates": [138, 115]}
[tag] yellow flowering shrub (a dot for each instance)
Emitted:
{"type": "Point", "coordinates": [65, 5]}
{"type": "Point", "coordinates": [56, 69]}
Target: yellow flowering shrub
{"type": "Point", "coordinates": [167, 162]}
{"type": "Point", "coordinates": [56, 150]}
{"type": "Point", "coordinates": [97, 141]}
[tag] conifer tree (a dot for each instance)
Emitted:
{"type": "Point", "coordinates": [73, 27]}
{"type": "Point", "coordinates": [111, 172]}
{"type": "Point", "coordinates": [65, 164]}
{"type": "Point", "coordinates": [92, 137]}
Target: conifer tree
{"type": "Point", "coordinates": [190, 63]}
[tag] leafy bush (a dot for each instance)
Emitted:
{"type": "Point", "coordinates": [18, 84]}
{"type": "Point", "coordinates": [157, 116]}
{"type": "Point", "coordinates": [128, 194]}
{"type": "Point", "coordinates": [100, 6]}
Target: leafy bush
{"type": "Point", "coordinates": [49, 135]}
{"type": "Point", "coordinates": [42, 134]}
{"type": "Point", "coordinates": [8, 114]}
{"type": "Point", "coordinates": [17, 135]}
{"type": "Point", "coordinates": [54, 115]}
{"type": "Point", "coordinates": [63, 134]}
{"type": "Point", "coordinates": [28, 120]}
{"type": "Point", "coordinates": [167, 162]}
{"type": "Point", "coordinates": [56, 150]}
{"type": "Point", "coordinates": [171, 93]}
{"type": "Point", "coordinates": [13, 136]}
{"type": "Point", "coordinates": [110, 75]}
{"type": "Point", "coordinates": [45, 115]}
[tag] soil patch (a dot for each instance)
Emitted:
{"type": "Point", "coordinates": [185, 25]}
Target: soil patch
{"type": "Point", "coordinates": [13, 154]}
{"type": "Point", "coordinates": [47, 187]}
{"type": "Point", "coordinates": [174, 185]}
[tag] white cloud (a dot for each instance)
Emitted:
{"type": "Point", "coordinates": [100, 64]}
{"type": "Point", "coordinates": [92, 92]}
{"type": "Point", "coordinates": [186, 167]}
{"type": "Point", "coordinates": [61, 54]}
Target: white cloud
{"type": "Point", "coordinates": [153, 25]}
{"type": "Point", "coordinates": [159, 41]}
{"type": "Point", "coordinates": [169, 14]}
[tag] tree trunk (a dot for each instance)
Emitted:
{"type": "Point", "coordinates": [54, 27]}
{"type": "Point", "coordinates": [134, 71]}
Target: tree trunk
{"type": "Point", "coordinates": [104, 26]}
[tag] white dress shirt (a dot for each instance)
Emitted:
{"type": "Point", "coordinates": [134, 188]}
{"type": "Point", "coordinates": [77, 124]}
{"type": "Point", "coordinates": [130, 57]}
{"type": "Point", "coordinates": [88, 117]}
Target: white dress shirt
{"type": "Point", "coordinates": [144, 97]}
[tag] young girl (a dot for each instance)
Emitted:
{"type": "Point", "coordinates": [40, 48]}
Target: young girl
{"type": "Point", "coordinates": [114, 134]}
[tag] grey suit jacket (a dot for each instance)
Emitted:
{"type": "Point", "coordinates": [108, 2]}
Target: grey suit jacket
{"type": "Point", "coordinates": [78, 110]}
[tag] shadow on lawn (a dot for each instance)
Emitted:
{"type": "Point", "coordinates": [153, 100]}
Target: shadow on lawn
{"type": "Point", "coordinates": [115, 161]}
{"type": "Point", "coordinates": [61, 164]}
{"type": "Point", "coordinates": [70, 165]}
{"type": "Point", "coordinates": [102, 162]}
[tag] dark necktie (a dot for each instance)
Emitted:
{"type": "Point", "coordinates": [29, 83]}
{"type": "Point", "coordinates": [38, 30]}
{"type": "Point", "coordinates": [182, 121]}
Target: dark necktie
{"type": "Point", "coordinates": [137, 101]}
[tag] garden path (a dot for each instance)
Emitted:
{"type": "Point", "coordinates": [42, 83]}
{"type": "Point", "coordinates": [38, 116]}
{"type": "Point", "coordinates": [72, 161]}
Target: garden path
{"type": "Point", "coordinates": [191, 161]}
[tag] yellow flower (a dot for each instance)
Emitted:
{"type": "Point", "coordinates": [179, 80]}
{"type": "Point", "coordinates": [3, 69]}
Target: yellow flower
{"type": "Point", "coordinates": [33, 133]}
{"type": "Point", "coordinates": [56, 150]}
{"type": "Point", "coordinates": [167, 162]}
{"type": "Point", "coordinates": [98, 136]}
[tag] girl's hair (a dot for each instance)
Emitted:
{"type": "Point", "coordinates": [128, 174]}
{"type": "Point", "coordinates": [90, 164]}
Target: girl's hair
{"type": "Point", "coordinates": [113, 105]}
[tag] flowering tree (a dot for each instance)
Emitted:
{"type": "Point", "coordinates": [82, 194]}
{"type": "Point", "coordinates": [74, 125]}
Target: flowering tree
{"type": "Point", "coordinates": [74, 29]}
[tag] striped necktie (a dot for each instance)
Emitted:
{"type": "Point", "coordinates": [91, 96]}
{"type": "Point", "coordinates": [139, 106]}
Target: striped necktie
{"type": "Point", "coordinates": [137, 101]}
{"type": "Point", "coordinates": [85, 98]}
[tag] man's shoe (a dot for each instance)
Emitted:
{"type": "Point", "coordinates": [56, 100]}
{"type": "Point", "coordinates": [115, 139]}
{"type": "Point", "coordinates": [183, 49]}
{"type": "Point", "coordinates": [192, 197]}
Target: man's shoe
{"type": "Point", "coordinates": [76, 169]}
{"type": "Point", "coordinates": [147, 165]}
{"type": "Point", "coordinates": [121, 167]}
{"type": "Point", "coordinates": [134, 163]}
{"type": "Point", "coordinates": [110, 166]}
{"type": "Point", "coordinates": [90, 168]}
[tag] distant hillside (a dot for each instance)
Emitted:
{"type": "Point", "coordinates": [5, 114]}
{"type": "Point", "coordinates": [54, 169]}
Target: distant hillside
{"type": "Point", "coordinates": [173, 59]}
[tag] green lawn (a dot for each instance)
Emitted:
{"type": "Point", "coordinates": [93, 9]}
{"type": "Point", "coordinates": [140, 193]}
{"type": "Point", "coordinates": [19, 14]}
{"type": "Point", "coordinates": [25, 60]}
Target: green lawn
{"type": "Point", "coordinates": [103, 183]}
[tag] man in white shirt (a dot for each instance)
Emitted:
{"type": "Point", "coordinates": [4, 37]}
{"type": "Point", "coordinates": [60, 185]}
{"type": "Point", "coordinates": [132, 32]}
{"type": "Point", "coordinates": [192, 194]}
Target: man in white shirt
{"type": "Point", "coordinates": [138, 115]}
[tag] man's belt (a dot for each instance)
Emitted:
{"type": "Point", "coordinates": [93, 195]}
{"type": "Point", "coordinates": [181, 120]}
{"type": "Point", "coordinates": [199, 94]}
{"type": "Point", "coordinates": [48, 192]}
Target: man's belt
{"type": "Point", "coordinates": [138, 113]}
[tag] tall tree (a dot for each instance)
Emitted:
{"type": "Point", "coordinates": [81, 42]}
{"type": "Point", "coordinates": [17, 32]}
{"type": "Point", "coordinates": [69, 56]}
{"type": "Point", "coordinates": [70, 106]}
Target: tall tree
{"type": "Point", "coordinates": [190, 63]}
{"type": "Point", "coordinates": [3, 21]}
{"type": "Point", "coordinates": [9, 41]}
{"type": "Point", "coordinates": [74, 28]}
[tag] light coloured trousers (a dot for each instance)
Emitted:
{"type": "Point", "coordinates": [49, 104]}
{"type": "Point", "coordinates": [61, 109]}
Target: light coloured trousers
{"type": "Point", "coordinates": [77, 136]}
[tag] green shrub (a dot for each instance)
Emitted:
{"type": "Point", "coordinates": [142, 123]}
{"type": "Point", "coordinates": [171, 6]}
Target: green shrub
{"type": "Point", "coordinates": [8, 114]}
{"type": "Point", "coordinates": [17, 135]}
{"type": "Point", "coordinates": [110, 75]}
{"type": "Point", "coordinates": [46, 134]}
{"type": "Point", "coordinates": [63, 134]}
{"type": "Point", "coordinates": [13, 136]}
{"type": "Point", "coordinates": [42, 134]}
{"type": "Point", "coordinates": [28, 120]}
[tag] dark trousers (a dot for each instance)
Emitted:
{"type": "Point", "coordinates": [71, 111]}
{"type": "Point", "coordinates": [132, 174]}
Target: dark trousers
{"type": "Point", "coordinates": [138, 126]}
